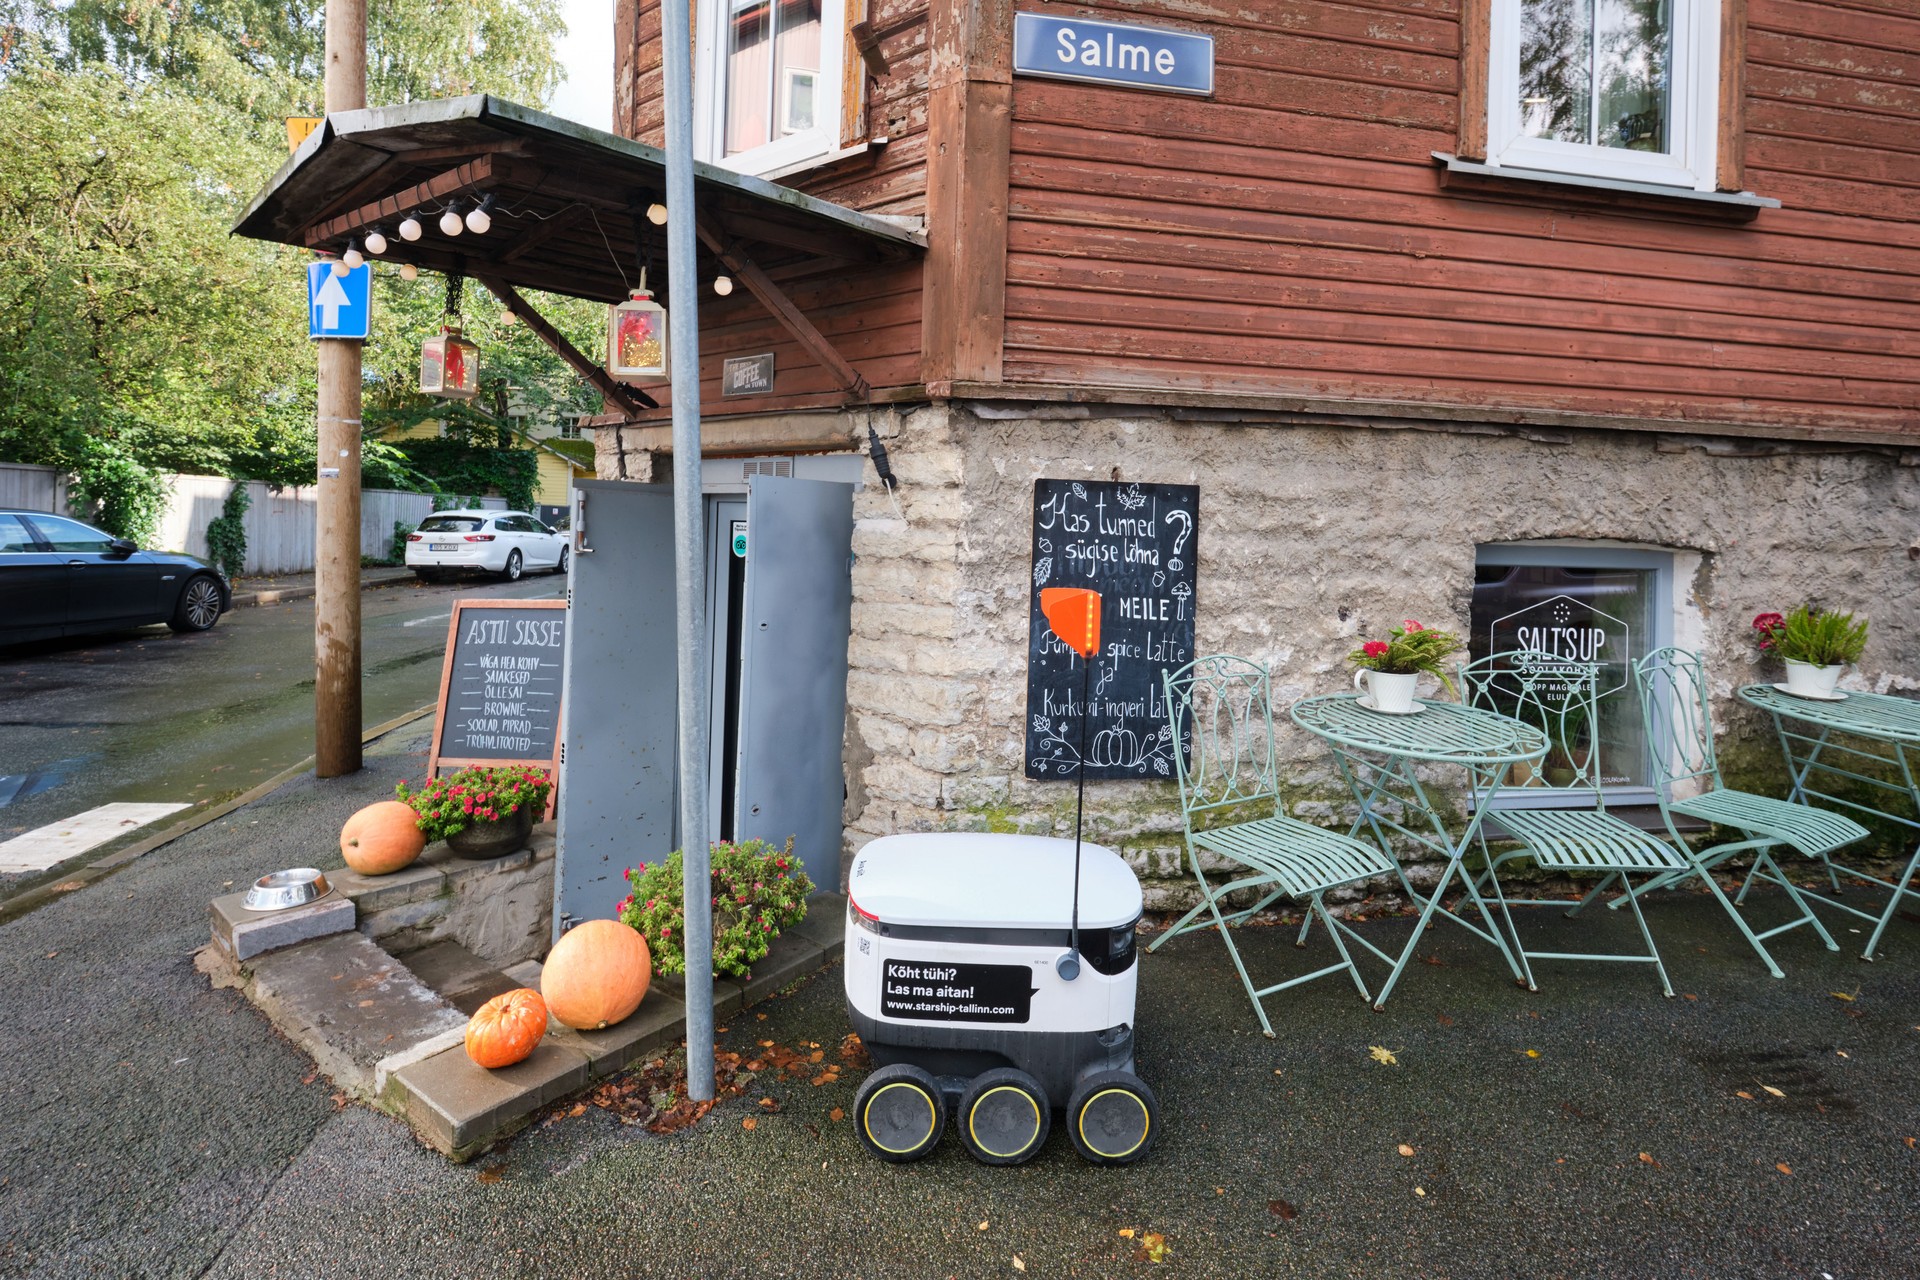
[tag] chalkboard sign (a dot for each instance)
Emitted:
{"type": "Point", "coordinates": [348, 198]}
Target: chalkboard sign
{"type": "Point", "coordinates": [1136, 545]}
{"type": "Point", "coordinates": [500, 685]}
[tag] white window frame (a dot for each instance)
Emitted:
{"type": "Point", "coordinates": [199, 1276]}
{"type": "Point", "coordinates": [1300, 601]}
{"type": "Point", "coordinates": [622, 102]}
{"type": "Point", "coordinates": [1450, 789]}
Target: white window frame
{"type": "Point", "coordinates": [787, 153]}
{"type": "Point", "coordinates": [1694, 106]}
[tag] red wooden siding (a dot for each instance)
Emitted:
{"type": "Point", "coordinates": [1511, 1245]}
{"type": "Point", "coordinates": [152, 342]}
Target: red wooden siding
{"type": "Point", "coordinates": [1291, 236]}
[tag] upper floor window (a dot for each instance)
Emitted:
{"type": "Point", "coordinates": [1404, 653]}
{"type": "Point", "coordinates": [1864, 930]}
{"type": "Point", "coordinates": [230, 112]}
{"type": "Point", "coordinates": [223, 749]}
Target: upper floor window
{"type": "Point", "coordinates": [767, 83]}
{"type": "Point", "coordinates": [1623, 89]}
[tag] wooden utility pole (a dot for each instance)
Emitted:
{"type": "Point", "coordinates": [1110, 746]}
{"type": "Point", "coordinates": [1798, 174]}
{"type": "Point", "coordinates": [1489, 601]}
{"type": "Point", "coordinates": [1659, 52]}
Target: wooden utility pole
{"type": "Point", "coordinates": [336, 596]}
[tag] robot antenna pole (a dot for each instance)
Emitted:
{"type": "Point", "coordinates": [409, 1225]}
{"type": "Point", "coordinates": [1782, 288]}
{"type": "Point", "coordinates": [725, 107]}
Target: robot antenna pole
{"type": "Point", "coordinates": [1080, 795]}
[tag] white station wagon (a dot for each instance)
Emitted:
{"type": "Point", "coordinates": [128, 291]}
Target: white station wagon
{"type": "Point", "coordinates": [508, 543]}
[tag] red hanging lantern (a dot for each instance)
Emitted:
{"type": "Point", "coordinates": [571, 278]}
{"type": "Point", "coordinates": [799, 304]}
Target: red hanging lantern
{"type": "Point", "coordinates": [450, 365]}
{"type": "Point", "coordinates": [637, 339]}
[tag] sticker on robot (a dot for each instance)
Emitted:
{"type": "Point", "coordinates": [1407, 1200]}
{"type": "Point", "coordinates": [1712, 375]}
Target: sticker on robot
{"type": "Point", "coordinates": [933, 992]}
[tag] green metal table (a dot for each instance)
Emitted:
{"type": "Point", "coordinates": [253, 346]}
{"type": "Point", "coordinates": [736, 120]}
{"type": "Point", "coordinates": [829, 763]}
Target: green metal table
{"type": "Point", "coordinates": [1838, 740]}
{"type": "Point", "coordinates": [1379, 755]}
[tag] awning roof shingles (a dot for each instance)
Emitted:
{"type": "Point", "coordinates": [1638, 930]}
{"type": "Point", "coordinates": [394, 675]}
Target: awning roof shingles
{"type": "Point", "coordinates": [570, 201]}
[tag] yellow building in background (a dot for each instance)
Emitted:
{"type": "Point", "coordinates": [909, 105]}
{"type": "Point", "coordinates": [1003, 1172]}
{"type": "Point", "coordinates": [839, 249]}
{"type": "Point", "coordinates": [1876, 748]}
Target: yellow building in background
{"type": "Point", "coordinates": [564, 453]}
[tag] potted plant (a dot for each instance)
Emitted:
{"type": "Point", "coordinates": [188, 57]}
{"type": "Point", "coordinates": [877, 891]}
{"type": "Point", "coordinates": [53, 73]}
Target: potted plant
{"type": "Point", "coordinates": [1389, 668]}
{"type": "Point", "coordinates": [1816, 646]}
{"type": "Point", "coordinates": [758, 890]}
{"type": "Point", "coordinates": [483, 811]}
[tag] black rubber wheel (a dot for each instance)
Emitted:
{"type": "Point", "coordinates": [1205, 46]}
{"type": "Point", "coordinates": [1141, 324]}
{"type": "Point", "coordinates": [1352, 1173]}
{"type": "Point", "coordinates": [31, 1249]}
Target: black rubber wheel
{"type": "Point", "coordinates": [900, 1113]}
{"type": "Point", "coordinates": [514, 564]}
{"type": "Point", "coordinates": [199, 606]}
{"type": "Point", "coordinates": [566, 554]}
{"type": "Point", "coordinates": [1112, 1118]}
{"type": "Point", "coordinates": [1004, 1117]}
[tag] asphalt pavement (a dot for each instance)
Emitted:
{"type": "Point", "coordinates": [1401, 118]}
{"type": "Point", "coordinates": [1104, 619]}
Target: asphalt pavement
{"type": "Point", "coordinates": [148, 715]}
{"type": "Point", "coordinates": [157, 1128]}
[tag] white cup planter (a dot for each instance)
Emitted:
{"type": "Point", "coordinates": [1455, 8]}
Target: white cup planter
{"type": "Point", "coordinates": [1388, 692]}
{"type": "Point", "coordinates": [1810, 681]}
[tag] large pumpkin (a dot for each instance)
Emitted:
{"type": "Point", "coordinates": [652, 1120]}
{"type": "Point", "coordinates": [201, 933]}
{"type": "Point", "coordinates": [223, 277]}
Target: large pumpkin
{"type": "Point", "coordinates": [381, 839]}
{"type": "Point", "coordinates": [596, 974]}
{"type": "Point", "coordinates": [506, 1028]}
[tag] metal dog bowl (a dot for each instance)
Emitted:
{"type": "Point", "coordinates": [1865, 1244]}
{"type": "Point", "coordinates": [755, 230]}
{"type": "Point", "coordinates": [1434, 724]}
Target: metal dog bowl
{"type": "Point", "coordinates": [295, 887]}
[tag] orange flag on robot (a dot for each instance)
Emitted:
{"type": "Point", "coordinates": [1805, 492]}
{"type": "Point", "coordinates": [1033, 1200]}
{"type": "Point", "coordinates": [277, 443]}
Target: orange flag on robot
{"type": "Point", "coordinates": [1073, 614]}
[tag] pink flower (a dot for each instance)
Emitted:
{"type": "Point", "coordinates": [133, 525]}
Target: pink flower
{"type": "Point", "coordinates": [665, 932]}
{"type": "Point", "coordinates": [650, 902]}
{"type": "Point", "coordinates": [469, 805]}
{"type": "Point", "coordinates": [1375, 648]}
{"type": "Point", "coordinates": [1768, 622]}
{"type": "Point", "coordinates": [1409, 626]}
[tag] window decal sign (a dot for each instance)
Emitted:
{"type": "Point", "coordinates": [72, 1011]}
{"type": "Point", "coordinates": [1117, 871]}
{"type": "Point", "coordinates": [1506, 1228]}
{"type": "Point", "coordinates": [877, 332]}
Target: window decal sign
{"type": "Point", "coordinates": [1577, 638]}
{"type": "Point", "coordinates": [1112, 53]}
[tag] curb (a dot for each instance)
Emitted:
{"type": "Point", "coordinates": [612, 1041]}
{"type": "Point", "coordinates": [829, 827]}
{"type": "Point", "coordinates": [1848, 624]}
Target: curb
{"type": "Point", "coordinates": [32, 899]}
{"type": "Point", "coordinates": [281, 595]}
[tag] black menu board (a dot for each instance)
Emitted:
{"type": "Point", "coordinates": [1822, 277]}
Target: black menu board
{"type": "Point", "coordinates": [500, 687]}
{"type": "Point", "coordinates": [1136, 544]}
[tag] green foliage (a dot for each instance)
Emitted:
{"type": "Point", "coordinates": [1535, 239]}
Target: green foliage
{"type": "Point", "coordinates": [481, 793]}
{"type": "Point", "coordinates": [125, 497]}
{"type": "Point", "coordinates": [476, 458]}
{"type": "Point", "coordinates": [758, 890]}
{"type": "Point", "coordinates": [1811, 636]}
{"type": "Point", "coordinates": [227, 532]}
{"type": "Point", "coordinates": [397, 549]}
{"type": "Point", "coordinates": [1410, 650]}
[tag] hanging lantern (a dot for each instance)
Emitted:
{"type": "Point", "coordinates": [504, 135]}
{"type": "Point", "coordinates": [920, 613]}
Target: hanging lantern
{"type": "Point", "coordinates": [450, 365]}
{"type": "Point", "coordinates": [637, 338]}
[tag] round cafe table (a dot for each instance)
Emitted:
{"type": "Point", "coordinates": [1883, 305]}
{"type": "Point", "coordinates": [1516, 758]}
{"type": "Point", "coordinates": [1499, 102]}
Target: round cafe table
{"type": "Point", "coordinates": [1379, 757]}
{"type": "Point", "coordinates": [1869, 738]}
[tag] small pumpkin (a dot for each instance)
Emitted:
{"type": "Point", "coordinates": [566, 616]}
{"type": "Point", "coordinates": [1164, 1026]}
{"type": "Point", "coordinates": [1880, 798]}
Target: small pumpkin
{"type": "Point", "coordinates": [382, 838]}
{"type": "Point", "coordinates": [505, 1029]}
{"type": "Point", "coordinates": [597, 974]}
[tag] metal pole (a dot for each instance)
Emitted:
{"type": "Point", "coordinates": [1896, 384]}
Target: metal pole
{"type": "Point", "coordinates": [336, 578]}
{"type": "Point", "coordinates": [689, 545]}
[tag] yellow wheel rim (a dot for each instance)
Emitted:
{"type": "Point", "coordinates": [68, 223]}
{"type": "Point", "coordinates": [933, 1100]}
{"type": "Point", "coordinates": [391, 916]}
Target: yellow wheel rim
{"type": "Point", "coordinates": [866, 1117]}
{"type": "Point", "coordinates": [1032, 1107]}
{"type": "Point", "coordinates": [1146, 1123]}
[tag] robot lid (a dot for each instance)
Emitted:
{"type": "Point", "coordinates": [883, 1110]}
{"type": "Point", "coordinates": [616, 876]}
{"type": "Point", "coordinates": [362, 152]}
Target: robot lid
{"type": "Point", "coordinates": [978, 880]}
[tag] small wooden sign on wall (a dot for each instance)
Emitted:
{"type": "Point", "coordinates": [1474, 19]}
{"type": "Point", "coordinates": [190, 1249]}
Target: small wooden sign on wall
{"type": "Point", "coordinates": [747, 375]}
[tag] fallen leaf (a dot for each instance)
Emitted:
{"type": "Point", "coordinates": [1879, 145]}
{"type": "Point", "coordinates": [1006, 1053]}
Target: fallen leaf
{"type": "Point", "coordinates": [766, 1044]}
{"type": "Point", "coordinates": [1420, 1191]}
{"type": "Point", "coordinates": [310, 1077]}
{"type": "Point", "coordinates": [836, 1115]}
{"type": "Point", "coordinates": [1445, 1021]}
{"type": "Point", "coordinates": [364, 1004]}
{"type": "Point", "coordinates": [1154, 1246]}
{"type": "Point", "coordinates": [1277, 1071]}
{"type": "Point", "coordinates": [1017, 1264]}
{"type": "Point", "coordinates": [1382, 1056]}
{"type": "Point", "coordinates": [1688, 995]}
{"type": "Point", "coordinates": [1910, 1142]}
{"type": "Point", "coordinates": [52, 954]}
{"type": "Point", "coordinates": [1127, 1232]}
{"type": "Point", "coordinates": [1785, 1168]}
{"type": "Point", "coordinates": [1435, 961]}
{"type": "Point", "coordinates": [1648, 1159]}
{"type": "Point", "coordinates": [577, 1110]}
{"type": "Point", "coordinates": [492, 1173]}
{"type": "Point", "coordinates": [769, 1105]}
{"type": "Point", "coordinates": [1742, 1093]}
{"type": "Point", "coordinates": [1533, 1053]}
{"type": "Point", "coordinates": [1841, 995]}
{"type": "Point", "coordinates": [1843, 1053]}
{"type": "Point", "coordinates": [749, 1124]}
{"type": "Point", "coordinates": [760, 1016]}
{"type": "Point", "coordinates": [1282, 1210]}
{"type": "Point", "coordinates": [1775, 1092]}
{"type": "Point", "coordinates": [816, 1055]}
{"type": "Point", "coordinates": [719, 1031]}
{"type": "Point", "coordinates": [1405, 1150]}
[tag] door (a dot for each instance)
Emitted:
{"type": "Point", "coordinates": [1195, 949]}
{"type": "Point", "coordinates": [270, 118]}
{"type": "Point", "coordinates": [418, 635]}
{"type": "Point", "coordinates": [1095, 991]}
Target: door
{"type": "Point", "coordinates": [794, 618]}
{"type": "Point", "coordinates": [618, 711]}
{"type": "Point", "coordinates": [105, 587]}
{"type": "Point", "coordinates": [33, 584]}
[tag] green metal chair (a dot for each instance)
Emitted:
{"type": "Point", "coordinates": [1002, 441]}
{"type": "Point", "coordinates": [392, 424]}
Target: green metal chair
{"type": "Point", "coordinates": [1672, 684]}
{"type": "Point", "coordinates": [1561, 699]}
{"type": "Point", "coordinates": [1222, 726]}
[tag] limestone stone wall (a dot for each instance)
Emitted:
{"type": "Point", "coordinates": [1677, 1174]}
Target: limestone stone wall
{"type": "Point", "coordinates": [1312, 538]}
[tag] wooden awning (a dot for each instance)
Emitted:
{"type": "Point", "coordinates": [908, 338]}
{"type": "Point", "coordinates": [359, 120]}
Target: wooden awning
{"type": "Point", "coordinates": [568, 213]}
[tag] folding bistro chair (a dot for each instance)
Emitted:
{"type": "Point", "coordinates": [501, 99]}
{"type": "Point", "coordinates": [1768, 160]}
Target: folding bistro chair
{"type": "Point", "coordinates": [1673, 704]}
{"type": "Point", "coordinates": [1222, 724]}
{"type": "Point", "coordinates": [1561, 699]}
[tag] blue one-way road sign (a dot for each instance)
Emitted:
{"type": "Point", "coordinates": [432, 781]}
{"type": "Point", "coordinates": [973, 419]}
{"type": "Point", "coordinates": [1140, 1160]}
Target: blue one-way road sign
{"type": "Point", "coordinates": [337, 305]}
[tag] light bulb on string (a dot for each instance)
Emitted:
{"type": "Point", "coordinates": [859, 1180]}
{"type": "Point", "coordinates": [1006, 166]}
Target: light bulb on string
{"type": "Point", "coordinates": [353, 257]}
{"type": "Point", "coordinates": [409, 272]}
{"type": "Point", "coordinates": [410, 228]}
{"type": "Point", "coordinates": [479, 220]}
{"type": "Point", "coordinates": [450, 223]}
{"type": "Point", "coordinates": [376, 242]}
{"type": "Point", "coordinates": [657, 214]}
{"type": "Point", "coordinates": [723, 285]}
{"type": "Point", "coordinates": [339, 268]}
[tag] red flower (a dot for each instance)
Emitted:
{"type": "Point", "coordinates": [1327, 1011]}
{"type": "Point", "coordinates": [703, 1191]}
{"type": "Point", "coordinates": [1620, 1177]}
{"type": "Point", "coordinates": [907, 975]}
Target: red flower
{"type": "Point", "coordinates": [665, 932]}
{"type": "Point", "coordinates": [1768, 622]}
{"type": "Point", "coordinates": [1409, 626]}
{"type": "Point", "coordinates": [1375, 648]}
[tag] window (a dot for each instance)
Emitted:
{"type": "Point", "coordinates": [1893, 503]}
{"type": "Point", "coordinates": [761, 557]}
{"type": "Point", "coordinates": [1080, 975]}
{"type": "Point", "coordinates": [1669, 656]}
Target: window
{"type": "Point", "coordinates": [450, 524]}
{"type": "Point", "coordinates": [767, 84]}
{"type": "Point", "coordinates": [571, 430]}
{"type": "Point", "coordinates": [14, 537]}
{"type": "Point", "coordinates": [1602, 605]}
{"type": "Point", "coordinates": [72, 536]}
{"type": "Point", "coordinates": [1624, 89]}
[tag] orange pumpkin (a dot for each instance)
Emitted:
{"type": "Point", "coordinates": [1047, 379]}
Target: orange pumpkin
{"type": "Point", "coordinates": [506, 1028]}
{"type": "Point", "coordinates": [381, 839]}
{"type": "Point", "coordinates": [596, 974]}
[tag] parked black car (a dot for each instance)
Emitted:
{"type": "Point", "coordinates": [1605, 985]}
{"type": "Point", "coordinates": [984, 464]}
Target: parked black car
{"type": "Point", "coordinates": [59, 577]}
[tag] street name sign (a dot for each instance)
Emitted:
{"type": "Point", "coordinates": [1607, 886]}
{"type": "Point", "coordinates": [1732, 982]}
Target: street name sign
{"type": "Point", "coordinates": [1112, 53]}
{"type": "Point", "coordinates": [337, 306]}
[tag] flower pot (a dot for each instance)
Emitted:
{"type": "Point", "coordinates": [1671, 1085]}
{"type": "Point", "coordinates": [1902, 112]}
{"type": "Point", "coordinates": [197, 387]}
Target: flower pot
{"type": "Point", "coordinates": [494, 838]}
{"type": "Point", "coordinates": [1387, 691]}
{"type": "Point", "coordinates": [1810, 681]}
